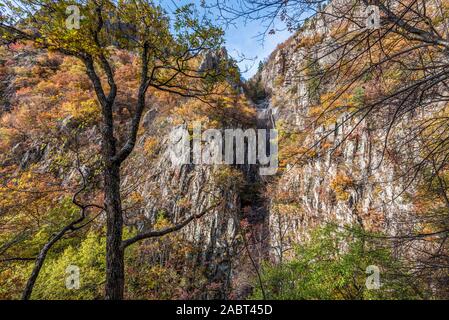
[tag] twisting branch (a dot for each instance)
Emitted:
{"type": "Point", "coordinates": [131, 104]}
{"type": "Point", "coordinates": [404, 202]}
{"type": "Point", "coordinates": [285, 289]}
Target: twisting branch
{"type": "Point", "coordinates": [134, 126]}
{"type": "Point", "coordinates": [165, 231]}
{"type": "Point", "coordinates": [72, 226]}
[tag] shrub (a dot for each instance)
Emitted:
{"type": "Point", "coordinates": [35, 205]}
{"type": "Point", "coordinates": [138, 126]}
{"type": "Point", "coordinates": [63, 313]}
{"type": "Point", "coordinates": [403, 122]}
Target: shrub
{"type": "Point", "coordinates": [332, 266]}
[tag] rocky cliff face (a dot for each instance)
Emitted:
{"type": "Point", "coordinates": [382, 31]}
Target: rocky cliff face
{"type": "Point", "coordinates": [154, 189]}
{"type": "Point", "coordinates": [348, 177]}
{"type": "Point", "coordinates": [176, 192]}
{"type": "Point", "coordinates": [249, 225]}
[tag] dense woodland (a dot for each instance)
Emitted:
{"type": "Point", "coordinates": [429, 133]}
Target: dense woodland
{"type": "Point", "coordinates": [85, 183]}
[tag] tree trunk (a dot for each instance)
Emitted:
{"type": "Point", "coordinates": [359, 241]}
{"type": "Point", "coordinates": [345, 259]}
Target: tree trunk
{"type": "Point", "coordinates": [115, 277]}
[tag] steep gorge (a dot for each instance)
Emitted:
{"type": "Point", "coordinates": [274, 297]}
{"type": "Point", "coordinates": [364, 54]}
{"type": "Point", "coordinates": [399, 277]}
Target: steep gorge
{"type": "Point", "coordinates": [348, 179]}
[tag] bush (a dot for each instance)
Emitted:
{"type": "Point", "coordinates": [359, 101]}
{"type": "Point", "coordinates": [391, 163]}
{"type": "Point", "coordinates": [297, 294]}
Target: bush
{"type": "Point", "coordinates": [89, 257]}
{"type": "Point", "coordinates": [333, 266]}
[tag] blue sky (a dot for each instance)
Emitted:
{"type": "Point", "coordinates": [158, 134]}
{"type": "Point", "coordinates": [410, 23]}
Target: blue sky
{"type": "Point", "coordinates": [242, 39]}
